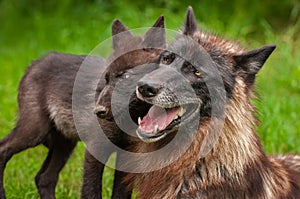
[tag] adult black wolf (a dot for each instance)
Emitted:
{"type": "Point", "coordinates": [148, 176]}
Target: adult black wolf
{"type": "Point", "coordinates": [45, 116]}
{"type": "Point", "coordinates": [202, 89]}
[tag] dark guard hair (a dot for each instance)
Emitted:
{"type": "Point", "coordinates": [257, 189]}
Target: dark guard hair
{"type": "Point", "coordinates": [236, 165]}
{"type": "Point", "coordinates": [45, 117]}
{"type": "Point", "coordinates": [131, 54]}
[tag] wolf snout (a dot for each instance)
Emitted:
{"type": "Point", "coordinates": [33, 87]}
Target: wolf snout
{"type": "Point", "coordinates": [148, 89]}
{"type": "Point", "coordinates": [101, 111]}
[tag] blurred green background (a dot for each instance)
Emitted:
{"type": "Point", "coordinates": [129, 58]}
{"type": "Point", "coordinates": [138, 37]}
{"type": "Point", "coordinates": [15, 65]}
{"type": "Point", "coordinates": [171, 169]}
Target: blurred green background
{"type": "Point", "coordinates": [30, 29]}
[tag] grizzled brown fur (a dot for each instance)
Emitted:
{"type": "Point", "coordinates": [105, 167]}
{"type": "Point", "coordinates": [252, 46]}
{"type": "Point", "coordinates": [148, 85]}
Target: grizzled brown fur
{"type": "Point", "coordinates": [237, 166]}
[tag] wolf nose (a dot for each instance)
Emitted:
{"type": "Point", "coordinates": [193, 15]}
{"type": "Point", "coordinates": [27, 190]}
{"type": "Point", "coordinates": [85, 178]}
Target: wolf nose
{"type": "Point", "coordinates": [148, 89]}
{"type": "Point", "coordinates": [101, 111]}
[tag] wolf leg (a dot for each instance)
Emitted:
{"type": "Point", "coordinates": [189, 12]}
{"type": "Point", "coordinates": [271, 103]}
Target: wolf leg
{"type": "Point", "coordinates": [60, 150]}
{"type": "Point", "coordinates": [92, 177]}
{"type": "Point", "coordinates": [120, 189]}
{"type": "Point", "coordinates": [26, 134]}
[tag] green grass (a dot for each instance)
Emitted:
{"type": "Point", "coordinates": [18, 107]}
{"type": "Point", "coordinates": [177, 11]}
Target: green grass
{"type": "Point", "coordinates": [31, 28]}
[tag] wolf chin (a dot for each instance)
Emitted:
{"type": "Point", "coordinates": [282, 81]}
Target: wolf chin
{"type": "Point", "coordinates": [235, 166]}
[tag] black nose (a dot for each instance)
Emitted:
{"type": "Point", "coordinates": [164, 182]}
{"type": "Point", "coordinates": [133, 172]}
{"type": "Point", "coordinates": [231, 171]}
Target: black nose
{"type": "Point", "coordinates": [101, 111]}
{"type": "Point", "coordinates": [148, 89]}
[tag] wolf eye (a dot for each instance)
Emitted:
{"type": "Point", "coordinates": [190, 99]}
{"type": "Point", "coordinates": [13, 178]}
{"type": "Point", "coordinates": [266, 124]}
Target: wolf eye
{"type": "Point", "coordinates": [191, 69]}
{"type": "Point", "coordinates": [197, 73]}
{"type": "Point", "coordinates": [122, 75]}
{"type": "Point", "coordinates": [119, 74]}
{"type": "Point", "coordinates": [168, 59]}
{"type": "Point", "coordinates": [126, 76]}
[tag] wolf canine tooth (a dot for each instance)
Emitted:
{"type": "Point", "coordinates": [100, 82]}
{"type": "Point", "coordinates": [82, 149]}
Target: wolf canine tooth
{"type": "Point", "coordinates": [155, 129]}
{"type": "Point", "coordinates": [139, 120]}
{"type": "Point", "coordinates": [181, 111]}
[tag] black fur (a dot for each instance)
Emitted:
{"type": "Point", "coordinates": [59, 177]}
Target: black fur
{"type": "Point", "coordinates": [46, 85]}
{"type": "Point", "coordinates": [123, 62]}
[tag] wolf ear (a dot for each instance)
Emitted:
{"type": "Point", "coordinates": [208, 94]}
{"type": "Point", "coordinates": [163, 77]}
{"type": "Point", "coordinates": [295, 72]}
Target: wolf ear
{"type": "Point", "coordinates": [190, 24]}
{"type": "Point", "coordinates": [249, 63]}
{"type": "Point", "coordinates": [118, 27]}
{"type": "Point", "coordinates": [156, 36]}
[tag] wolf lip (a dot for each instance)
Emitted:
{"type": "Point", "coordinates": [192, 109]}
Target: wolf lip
{"type": "Point", "coordinates": [150, 137]}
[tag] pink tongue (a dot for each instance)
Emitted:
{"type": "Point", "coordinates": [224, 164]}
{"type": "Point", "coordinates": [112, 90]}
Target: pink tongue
{"type": "Point", "coordinates": [158, 116]}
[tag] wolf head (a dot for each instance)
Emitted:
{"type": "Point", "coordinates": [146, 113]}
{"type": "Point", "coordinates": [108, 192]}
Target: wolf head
{"type": "Point", "coordinates": [132, 55]}
{"type": "Point", "coordinates": [196, 78]}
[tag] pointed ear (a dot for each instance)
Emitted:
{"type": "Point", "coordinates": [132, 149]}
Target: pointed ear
{"type": "Point", "coordinates": [117, 28]}
{"type": "Point", "coordinates": [190, 24]}
{"type": "Point", "coordinates": [155, 37]}
{"type": "Point", "coordinates": [249, 63]}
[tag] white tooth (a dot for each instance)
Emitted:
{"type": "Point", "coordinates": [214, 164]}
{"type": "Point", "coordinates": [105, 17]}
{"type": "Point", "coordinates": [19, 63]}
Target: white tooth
{"type": "Point", "coordinates": [176, 117]}
{"type": "Point", "coordinates": [155, 129]}
{"type": "Point", "coordinates": [181, 112]}
{"type": "Point", "coordinates": [139, 120]}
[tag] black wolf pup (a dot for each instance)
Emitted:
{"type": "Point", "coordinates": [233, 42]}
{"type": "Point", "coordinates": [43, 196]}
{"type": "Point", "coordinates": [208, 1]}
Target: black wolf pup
{"type": "Point", "coordinates": [45, 117]}
{"type": "Point", "coordinates": [132, 56]}
{"type": "Point", "coordinates": [203, 89]}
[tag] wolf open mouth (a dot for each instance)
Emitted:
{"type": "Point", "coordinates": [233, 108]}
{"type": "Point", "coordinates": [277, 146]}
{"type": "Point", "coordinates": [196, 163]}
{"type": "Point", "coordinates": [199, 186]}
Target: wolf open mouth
{"type": "Point", "coordinates": [159, 121]}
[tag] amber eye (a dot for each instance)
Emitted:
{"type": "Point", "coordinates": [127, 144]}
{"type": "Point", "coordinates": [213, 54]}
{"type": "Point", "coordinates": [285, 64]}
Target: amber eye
{"type": "Point", "coordinates": [168, 59]}
{"type": "Point", "coordinates": [197, 73]}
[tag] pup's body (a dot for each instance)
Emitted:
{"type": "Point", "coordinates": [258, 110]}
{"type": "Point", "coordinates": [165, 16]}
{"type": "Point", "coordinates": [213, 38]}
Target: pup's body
{"type": "Point", "coordinates": [45, 115]}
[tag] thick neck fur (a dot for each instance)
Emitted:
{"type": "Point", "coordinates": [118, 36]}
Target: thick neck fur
{"type": "Point", "coordinates": [236, 167]}
{"type": "Point", "coordinates": [212, 42]}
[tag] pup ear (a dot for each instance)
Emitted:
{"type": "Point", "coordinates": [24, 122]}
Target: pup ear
{"type": "Point", "coordinates": [117, 28]}
{"type": "Point", "coordinates": [155, 37]}
{"type": "Point", "coordinates": [190, 24]}
{"type": "Point", "coordinates": [249, 63]}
